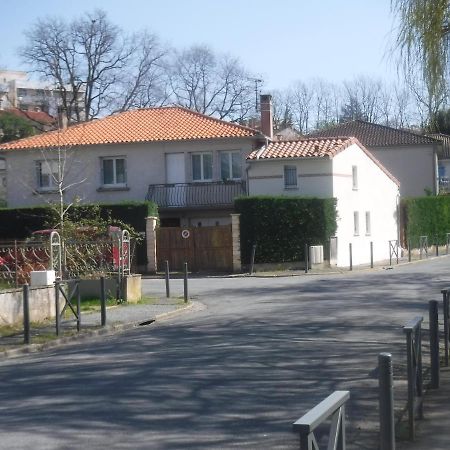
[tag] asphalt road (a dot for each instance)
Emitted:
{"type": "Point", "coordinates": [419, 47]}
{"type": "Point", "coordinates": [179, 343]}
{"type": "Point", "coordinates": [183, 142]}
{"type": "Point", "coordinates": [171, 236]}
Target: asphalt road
{"type": "Point", "coordinates": [233, 373]}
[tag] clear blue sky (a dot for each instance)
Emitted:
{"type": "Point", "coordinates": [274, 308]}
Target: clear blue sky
{"type": "Point", "coordinates": [281, 41]}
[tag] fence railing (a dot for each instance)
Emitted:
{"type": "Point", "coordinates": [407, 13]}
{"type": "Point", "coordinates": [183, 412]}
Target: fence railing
{"type": "Point", "coordinates": [332, 407]}
{"type": "Point", "coordinates": [195, 194]}
{"type": "Point", "coordinates": [19, 259]}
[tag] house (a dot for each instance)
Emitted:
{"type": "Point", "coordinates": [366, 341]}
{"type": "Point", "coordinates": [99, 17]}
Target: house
{"type": "Point", "coordinates": [443, 162]}
{"type": "Point", "coordinates": [191, 165]}
{"type": "Point", "coordinates": [367, 194]}
{"type": "Point", "coordinates": [18, 90]}
{"type": "Point", "coordinates": [410, 157]}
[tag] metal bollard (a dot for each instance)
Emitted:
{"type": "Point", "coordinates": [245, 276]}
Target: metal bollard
{"type": "Point", "coordinates": [167, 277]}
{"type": "Point", "coordinates": [371, 254]}
{"type": "Point", "coordinates": [386, 401]}
{"type": "Point", "coordinates": [57, 310]}
{"type": "Point", "coordinates": [26, 314]}
{"type": "Point", "coordinates": [103, 301]}
{"type": "Point", "coordinates": [351, 256]}
{"type": "Point", "coordinates": [437, 246]}
{"type": "Point", "coordinates": [445, 311]}
{"type": "Point", "coordinates": [306, 258]}
{"type": "Point", "coordinates": [434, 343]}
{"type": "Point", "coordinates": [409, 250]}
{"type": "Point", "coordinates": [186, 295]}
{"type": "Point", "coordinates": [252, 261]}
{"type": "Point", "coordinates": [77, 287]}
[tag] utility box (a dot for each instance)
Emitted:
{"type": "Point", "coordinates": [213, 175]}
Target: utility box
{"type": "Point", "coordinates": [42, 278]}
{"type": "Point", "coordinates": [316, 254]}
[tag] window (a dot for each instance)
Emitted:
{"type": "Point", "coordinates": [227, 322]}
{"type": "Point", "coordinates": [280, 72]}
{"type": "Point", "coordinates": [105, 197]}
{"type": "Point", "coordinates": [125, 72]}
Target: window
{"type": "Point", "coordinates": [202, 166]}
{"type": "Point", "coordinates": [355, 177]}
{"type": "Point", "coordinates": [114, 171]}
{"type": "Point", "coordinates": [368, 227]}
{"type": "Point", "coordinates": [356, 223]}
{"type": "Point", "coordinates": [290, 177]}
{"type": "Point", "coordinates": [230, 165]}
{"type": "Point", "coordinates": [47, 174]}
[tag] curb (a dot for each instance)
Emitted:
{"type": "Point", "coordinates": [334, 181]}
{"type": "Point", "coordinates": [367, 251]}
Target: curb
{"type": "Point", "coordinates": [112, 329]}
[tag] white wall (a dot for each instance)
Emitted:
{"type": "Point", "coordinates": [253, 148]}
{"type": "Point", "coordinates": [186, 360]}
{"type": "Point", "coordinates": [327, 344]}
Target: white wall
{"type": "Point", "coordinates": [327, 178]}
{"type": "Point", "coordinates": [266, 177]}
{"type": "Point", "coordinates": [415, 167]}
{"type": "Point", "coordinates": [375, 193]}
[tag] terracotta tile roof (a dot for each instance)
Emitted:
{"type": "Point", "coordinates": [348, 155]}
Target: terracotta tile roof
{"type": "Point", "coordinates": [302, 148]}
{"type": "Point", "coordinates": [140, 125]}
{"type": "Point", "coordinates": [374, 135]}
{"type": "Point", "coordinates": [40, 117]}
{"type": "Point", "coordinates": [312, 148]}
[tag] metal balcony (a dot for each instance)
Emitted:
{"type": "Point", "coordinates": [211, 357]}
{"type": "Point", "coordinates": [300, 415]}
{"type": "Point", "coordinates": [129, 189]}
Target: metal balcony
{"type": "Point", "coordinates": [188, 195]}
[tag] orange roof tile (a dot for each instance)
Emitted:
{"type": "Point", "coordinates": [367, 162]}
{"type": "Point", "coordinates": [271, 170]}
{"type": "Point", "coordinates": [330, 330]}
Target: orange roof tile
{"type": "Point", "coordinates": [141, 125]}
{"type": "Point", "coordinates": [302, 148]}
{"type": "Point", "coordinates": [312, 148]}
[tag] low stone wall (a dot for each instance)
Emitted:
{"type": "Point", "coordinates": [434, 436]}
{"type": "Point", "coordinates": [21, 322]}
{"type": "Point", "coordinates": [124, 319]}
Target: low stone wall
{"type": "Point", "coordinates": [42, 305]}
{"type": "Point", "coordinates": [132, 288]}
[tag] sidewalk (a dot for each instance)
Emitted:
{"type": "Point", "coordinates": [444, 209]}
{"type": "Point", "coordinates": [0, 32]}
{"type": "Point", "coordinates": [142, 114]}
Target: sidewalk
{"type": "Point", "coordinates": [433, 432]}
{"type": "Point", "coordinates": [118, 318]}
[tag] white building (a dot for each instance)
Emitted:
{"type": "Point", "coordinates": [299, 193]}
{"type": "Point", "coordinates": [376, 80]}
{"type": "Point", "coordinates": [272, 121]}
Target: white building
{"type": "Point", "coordinates": [342, 168]}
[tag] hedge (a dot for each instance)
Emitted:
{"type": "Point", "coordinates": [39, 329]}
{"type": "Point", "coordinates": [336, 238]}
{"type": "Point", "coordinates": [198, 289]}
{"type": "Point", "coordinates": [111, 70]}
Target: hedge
{"type": "Point", "coordinates": [426, 216]}
{"type": "Point", "coordinates": [19, 223]}
{"type": "Point", "coordinates": [281, 226]}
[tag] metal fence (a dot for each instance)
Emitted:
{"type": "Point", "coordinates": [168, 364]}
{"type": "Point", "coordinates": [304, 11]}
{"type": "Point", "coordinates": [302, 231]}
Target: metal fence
{"type": "Point", "coordinates": [72, 259]}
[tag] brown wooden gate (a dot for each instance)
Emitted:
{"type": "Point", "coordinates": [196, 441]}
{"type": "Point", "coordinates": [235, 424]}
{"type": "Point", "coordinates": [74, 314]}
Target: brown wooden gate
{"type": "Point", "coordinates": [203, 248]}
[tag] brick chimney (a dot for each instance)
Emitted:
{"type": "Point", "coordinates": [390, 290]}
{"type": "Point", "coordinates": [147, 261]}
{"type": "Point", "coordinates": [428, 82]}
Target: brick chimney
{"type": "Point", "coordinates": [265, 103]}
{"type": "Point", "coordinates": [62, 118]}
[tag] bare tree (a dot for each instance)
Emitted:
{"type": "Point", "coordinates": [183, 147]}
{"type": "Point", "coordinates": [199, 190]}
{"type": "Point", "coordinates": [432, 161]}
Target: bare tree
{"type": "Point", "coordinates": [362, 99]}
{"type": "Point", "coordinates": [302, 102]}
{"type": "Point", "coordinates": [144, 83]}
{"type": "Point", "coordinates": [211, 84]}
{"type": "Point", "coordinates": [92, 64]}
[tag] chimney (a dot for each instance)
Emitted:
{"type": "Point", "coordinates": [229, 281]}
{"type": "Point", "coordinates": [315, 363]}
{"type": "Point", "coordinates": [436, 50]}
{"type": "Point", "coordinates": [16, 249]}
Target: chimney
{"type": "Point", "coordinates": [62, 118]}
{"type": "Point", "coordinates": [266, 115]}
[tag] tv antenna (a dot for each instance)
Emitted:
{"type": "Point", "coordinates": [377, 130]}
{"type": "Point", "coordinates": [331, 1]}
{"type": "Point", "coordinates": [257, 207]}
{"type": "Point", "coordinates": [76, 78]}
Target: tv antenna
{"type": "Point", "coordinates": [257, 82]}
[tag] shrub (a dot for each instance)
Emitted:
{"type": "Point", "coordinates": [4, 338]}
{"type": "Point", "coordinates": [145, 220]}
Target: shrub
{"type": "Point", "coordinates": [281, 226]}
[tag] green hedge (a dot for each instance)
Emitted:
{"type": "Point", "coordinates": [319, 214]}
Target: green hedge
{"type": "Point", "coordinates": [281, 226]}
{"type": "Point", "coordinates": [426, 216]}
{"type": "Point", "coordinates": [18, 223]}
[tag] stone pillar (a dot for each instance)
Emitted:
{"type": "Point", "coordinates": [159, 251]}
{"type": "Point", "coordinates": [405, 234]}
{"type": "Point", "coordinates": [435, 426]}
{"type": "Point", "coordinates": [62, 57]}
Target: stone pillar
{"type": "Point", "coordinates": [150, 232]}
{"type": "Point", "coordinates": [236, 238]}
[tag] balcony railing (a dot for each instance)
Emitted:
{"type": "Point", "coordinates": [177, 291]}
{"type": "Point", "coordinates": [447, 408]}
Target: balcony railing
{"type": "Point", "coordinates": [186, 195]}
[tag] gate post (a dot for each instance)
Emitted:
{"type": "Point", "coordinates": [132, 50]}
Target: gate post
{"type": "Point", "coordinates": [150, 234]}
{"type": "Point", "coordinates": [236, 242]}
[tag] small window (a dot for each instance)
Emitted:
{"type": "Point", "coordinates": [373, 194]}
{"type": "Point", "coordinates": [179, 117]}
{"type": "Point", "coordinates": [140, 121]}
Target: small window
{"type": "Point", "coordinates": [290, 177]}
{"type": "Point", "coordinates": [47, 174]}
{"type": "Point", "coordinates": [114, 171]}
{"type": "Point", "coordinates": [368, 226]}
{"type": "Point", "coordinates": [356, 223]}
{"type": "Point", "coordinates": [230, 165]}
{"type": "Point", "coordinates": [202, 166]}
{"type": "Point", "coordinates": [355, 177]}
{"type": "Point", "coordinates": [2, 164]}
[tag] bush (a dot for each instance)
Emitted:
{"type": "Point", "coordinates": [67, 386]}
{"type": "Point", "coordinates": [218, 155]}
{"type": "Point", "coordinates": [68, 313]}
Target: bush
{"type": "Point", "coordinates": [281, 226]}
{"type": "Point", "coordinates": [426, 216]}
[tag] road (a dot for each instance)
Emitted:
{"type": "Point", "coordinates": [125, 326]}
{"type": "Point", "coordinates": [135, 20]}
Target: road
{"type": "Point", "coordinates": [235, 372]}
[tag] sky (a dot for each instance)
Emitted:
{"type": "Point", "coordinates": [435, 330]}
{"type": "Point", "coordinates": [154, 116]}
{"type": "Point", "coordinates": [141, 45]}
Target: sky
{"type": "Point", "coordinates": [280, 41]}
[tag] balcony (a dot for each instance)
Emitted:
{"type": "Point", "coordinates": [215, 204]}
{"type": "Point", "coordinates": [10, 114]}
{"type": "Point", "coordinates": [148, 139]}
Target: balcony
{"type": "Point", "coordinates": [192, 195]}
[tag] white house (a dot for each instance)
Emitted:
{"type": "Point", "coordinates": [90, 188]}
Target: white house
{"type": "Point", "coordinates": [410, 157]}
{"type": "Point", "coordinates": [367, 194]}
{"type": "Point", "coordinates": [191, 165]}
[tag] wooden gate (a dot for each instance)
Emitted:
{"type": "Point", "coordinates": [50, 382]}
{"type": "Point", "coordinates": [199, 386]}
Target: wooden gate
{"type": "Point", "coordinates": [203, 248]}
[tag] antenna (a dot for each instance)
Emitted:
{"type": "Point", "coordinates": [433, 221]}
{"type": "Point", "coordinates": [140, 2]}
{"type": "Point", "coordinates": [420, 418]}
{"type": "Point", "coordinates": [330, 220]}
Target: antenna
{"type": "Point", "coordinates": [257, 82]}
